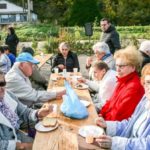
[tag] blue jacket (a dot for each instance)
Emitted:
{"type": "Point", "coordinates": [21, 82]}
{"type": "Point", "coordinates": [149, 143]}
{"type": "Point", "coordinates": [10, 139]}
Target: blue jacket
{"type": "Point", "coordinates": [121, 132]}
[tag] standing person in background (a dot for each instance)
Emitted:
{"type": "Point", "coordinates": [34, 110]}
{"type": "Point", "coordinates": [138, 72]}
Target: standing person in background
{"type": "Point", "coordinates": [10, 55]}
{"type": "Point", "coordinates": [12, 40]}
{"type": "Point", "coordinates": [65, 59]}
{"type": "Point", "coordinates": [109, 35]}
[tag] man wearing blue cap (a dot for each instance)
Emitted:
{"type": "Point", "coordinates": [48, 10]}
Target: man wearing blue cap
{"type": "Point", "coordinates": [18, 82]}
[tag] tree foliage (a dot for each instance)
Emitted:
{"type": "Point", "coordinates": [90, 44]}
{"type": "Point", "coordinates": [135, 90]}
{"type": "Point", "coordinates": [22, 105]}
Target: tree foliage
{"type": "Point", "coordinates": [78, 12]}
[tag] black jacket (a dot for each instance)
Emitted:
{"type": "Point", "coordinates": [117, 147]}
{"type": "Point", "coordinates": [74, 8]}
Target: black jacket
{"type": "Point", "coordinates": [12, 41]}
{"type": "Point", "coordinates": [111, 37]}
{"type": "Point", "coordinates": [70, 63]}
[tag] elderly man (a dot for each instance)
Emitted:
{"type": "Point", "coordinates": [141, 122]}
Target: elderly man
{"type": "Point", "coordinates": [109, 35]}
{"type": "Point", "coordinates": [12, 114]}
{"type": "Point", "coordinates": [18, 82]}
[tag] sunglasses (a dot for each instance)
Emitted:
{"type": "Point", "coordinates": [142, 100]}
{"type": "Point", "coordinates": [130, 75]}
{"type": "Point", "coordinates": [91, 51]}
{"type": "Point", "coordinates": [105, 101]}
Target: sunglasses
{"type": "Point", "coordinates": [2, 83]}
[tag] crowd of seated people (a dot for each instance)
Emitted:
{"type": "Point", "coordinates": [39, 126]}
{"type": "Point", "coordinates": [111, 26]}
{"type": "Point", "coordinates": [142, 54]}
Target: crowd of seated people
{"type": "Point", "coordinates": [115, 79]}
{"type": "Point", "coordinates": [133, 132]}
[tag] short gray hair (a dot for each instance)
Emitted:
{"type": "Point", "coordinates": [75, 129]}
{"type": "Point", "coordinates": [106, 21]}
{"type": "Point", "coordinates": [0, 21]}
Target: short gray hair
{"type": "Point", "coordinates": [101, 47]}
{"type": "Point", "coordinates": [64, 44]}
{"type": "Point", "coordinates": [145, 46]}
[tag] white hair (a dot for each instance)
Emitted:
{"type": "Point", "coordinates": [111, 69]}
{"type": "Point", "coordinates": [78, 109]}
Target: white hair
{"type": "Point", "coordinates": [101, 47]}
{"type": "Point", "coordinates": [145, 46]}
{"type": "Point", "coordinates": [64, 44]}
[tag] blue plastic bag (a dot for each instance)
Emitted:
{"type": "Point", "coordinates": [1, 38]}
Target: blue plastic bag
{"type": "Point", "coordinates": [71, 106]}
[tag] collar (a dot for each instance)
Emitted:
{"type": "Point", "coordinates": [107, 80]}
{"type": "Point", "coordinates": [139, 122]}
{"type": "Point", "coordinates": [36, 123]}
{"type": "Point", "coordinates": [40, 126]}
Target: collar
{"type": "Point", "coordinates": [106, 56]}
{"type": "Point", "coordinates": [127, 77]}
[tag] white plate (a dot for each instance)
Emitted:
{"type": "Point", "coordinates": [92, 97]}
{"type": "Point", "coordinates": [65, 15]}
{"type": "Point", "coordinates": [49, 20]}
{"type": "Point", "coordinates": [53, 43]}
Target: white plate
{"type": "Point", "coordinates": [84, 86]}
{"type": "Point", "coordinates": [41, 128]}
{"type": "Point", "coordinates": [85, 103]}
{"type": "Point", "coordinates": [91, 130]}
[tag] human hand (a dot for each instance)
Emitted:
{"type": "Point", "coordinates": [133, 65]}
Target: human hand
{"type": "Point", "coordinates": [45, 110]}
{"type": "Point", "coordinates": [89, 61]}
{"type": "Point", "coordinates": [59, 94]}
{"type": "Point", "coordinates": [81, 80]}
{"type": "Point", "coordinates": [61, 66]}
{"type": "Point", "coordinates": [101, 122]}
{"type": "Point", "coordinates": [104, 141]}
{"type": "Point", "coordinates": [24, 146]}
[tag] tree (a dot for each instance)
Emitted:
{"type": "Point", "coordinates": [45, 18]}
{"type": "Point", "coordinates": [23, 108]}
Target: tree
{"type": "Point", "coordinates": [83, 11]}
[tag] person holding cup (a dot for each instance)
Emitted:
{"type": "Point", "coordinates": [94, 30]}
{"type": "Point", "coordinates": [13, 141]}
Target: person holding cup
{"type": "Point", "coordinates": [65, 59]}
{"type": "Point", "coordinates": [133, 133]}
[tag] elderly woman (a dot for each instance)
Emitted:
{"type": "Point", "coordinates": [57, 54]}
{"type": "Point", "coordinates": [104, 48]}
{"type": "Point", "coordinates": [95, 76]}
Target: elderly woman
{"type": "Point", "coordinates": [104, 84]}
{"type": "Point", "coordinates": [133, 133]}
{"type": "Point", "coordinates": [65, 59]}
{"type": "Point", "coordinates": [102, 53]}
{"type": "Point", "coordinates": [128, 91]}
{"type": "Point", "coordinates": [12, 115]}
{"type": "Point", "coordinates": [145, 50]}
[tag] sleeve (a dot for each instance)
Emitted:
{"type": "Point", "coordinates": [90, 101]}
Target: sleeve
{"type": "Point", "coordinates": [122, 143]}
{"type": "Point", "coordinates": [3, 61]}
{"type": "Point", "coordinates": [76, 62]}
{"type": "Point", "coordinates": [131, 98]}
{"type": "Point", "coordinates": [115, 40]}
{"type": "Point", "coordinates": [93, 85]}
{"type": "Point", "coordinates": [121, 110]}
{"type": "Point", "coordinates": [7, 144]}
{"type": "Point", "coordinates": [37, 77]}
{"type": "Point", "coordinates": [16, 39]}
{"type": "Point", "coordinates": [54, 64]}
{"type": "Point", "coordinates": [25, 91]}
{"type": "Point", "coordinates": [23, 111]}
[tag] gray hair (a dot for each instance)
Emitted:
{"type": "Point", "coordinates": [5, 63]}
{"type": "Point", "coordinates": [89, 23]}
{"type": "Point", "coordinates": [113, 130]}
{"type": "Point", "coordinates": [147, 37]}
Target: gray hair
{"type": "Point", "coordinates": [145, 46]}
{"type": "Point", "coordinates": [65, 45]}
{"type": "Point", "coordinates": [101, 47]}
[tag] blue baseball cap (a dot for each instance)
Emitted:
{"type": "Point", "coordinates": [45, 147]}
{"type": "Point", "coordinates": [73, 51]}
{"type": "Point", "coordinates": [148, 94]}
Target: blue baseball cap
{"type": "Point", "coordinates": [26, 57]}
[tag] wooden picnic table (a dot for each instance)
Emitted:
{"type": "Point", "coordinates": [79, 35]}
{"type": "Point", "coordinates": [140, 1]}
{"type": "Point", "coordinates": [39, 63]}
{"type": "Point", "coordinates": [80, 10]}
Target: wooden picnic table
{"type": "Point", "coordinates": [43, 59]}
{"type": "Point", "coordinates": [66, 137]}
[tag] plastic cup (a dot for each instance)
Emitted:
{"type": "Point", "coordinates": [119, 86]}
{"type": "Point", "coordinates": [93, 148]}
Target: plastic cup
{"type": "Point", "coordinates": [56, 70]}
{"type": "Point", "coordinates": [75, 70]}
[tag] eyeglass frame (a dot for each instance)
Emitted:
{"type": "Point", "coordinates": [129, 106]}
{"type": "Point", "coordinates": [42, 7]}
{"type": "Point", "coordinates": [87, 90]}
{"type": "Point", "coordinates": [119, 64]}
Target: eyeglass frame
{"type": "Point", "coordinates": [121, 66]}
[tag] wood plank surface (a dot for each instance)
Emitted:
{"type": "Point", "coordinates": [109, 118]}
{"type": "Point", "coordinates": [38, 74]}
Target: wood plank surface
{"type": "Point", "coordinates": [43, 59]}
{"type": "Point", "coordinates": [65, 137]}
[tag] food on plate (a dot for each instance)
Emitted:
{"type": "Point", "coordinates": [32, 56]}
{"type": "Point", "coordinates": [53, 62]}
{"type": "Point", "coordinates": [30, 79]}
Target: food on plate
{"type": "Point", "coordinates": [49, 122]}
{"type": "Point", "coordinates": [89, 139]}
{"type": "Point", "coordinates": [79, 85]}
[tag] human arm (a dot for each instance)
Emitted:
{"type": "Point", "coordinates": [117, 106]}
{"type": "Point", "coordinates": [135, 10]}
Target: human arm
{"type": "Point", "coordinates": [115, 40]}
{"type": "Point", "coordinates": [76, 62]}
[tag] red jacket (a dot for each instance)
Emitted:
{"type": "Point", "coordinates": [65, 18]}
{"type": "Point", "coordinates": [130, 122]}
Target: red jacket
{"type": "Point", "coordinates": [126, 96]}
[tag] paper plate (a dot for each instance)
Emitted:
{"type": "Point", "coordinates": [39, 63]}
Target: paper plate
{"type": "Point", "coordinates": [85, 103]}
{"type": "Point", "coordinates": [91, 130]}
{"type": "Point", "coordinates": [41, 128]}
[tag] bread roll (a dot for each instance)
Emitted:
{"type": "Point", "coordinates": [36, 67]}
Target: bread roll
{"type": "Point", "coordinates": [49, 122]}
{"type": "Point", "coordinates": [89, 139]}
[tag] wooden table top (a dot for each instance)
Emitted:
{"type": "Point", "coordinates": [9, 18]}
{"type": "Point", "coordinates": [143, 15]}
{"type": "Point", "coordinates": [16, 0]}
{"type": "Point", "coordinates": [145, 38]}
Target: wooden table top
{"type": "Point", "coordinates": [65, 137]}
{"type": "Point", "coordinates": [43, 59]}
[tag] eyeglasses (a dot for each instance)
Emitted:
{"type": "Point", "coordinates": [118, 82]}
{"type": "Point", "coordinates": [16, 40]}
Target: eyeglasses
{"type": "Point", "coordinates": [147, 82]}
{"type": "Point", "coordinates": [121, 66]}
{"type": "Point", "coordinates": [2, 83]}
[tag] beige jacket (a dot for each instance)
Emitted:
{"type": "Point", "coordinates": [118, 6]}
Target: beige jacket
{"type": "Point", "coordinates": [20, 85]}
